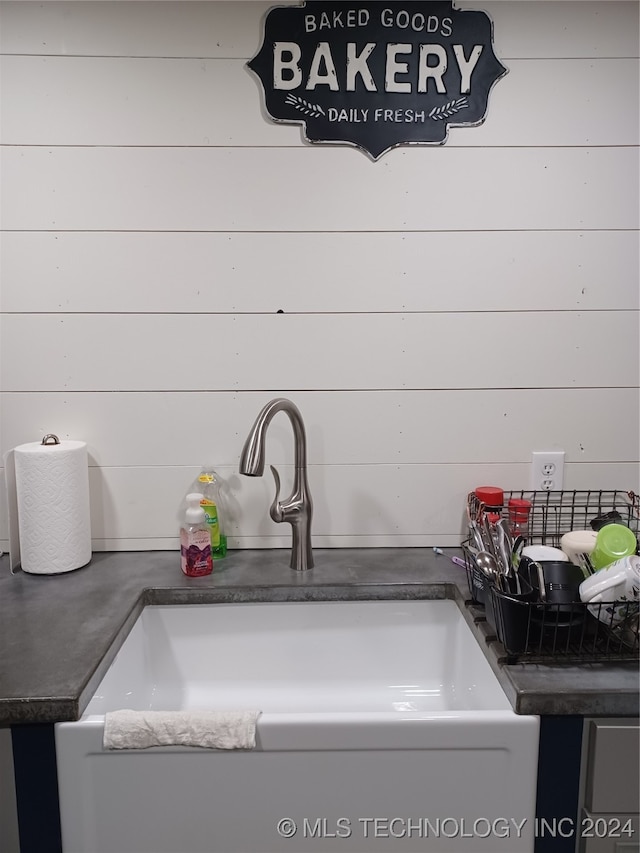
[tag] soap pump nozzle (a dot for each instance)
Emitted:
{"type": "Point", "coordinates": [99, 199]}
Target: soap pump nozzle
{"type": "Point", "coordinates": [194, 514]}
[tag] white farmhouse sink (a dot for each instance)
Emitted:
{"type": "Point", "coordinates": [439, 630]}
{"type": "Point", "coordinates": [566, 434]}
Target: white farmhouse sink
{"type": "Point", "coordinates": [381, 709]}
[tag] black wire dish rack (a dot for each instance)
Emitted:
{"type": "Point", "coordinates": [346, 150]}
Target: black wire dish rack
{"type": "Point", "coordinates": [532, 631]}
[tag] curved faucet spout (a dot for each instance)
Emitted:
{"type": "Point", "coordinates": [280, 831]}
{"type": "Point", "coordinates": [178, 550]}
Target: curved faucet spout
{"type": "Point", "coordinates": [252, 458]}
{"type": "Point", "coordinates": [298, 508]}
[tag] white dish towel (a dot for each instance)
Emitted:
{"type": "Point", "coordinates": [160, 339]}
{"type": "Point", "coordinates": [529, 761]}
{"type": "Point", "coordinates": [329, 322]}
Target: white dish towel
{"type": "Point", "coordinates": [211, 729]}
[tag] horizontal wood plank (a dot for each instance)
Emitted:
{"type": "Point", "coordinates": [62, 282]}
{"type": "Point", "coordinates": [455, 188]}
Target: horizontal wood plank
{"type": "Point", "coordinates": [224, 273]}
{"type": "Point", "coordinates": [473, 427]}
{"type": "Point", "coordinates": [117, 352]}
{"type": "Point", "coordinates": [396, 505]}
{"type": "Point", "coordinates": [193, 102]}
{"type": "Point", "coordinates": [234, 29]}
{"type": "Point", "coordinates": [318, 189]}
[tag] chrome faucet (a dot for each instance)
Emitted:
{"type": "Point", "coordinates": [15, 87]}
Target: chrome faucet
{"type": "Point", "coordinates": [298, 508]}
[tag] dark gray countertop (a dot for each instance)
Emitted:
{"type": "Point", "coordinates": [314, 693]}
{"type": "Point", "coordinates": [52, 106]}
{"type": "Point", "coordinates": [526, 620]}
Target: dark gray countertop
{"type": "Point", "coordinates": [59, 633]}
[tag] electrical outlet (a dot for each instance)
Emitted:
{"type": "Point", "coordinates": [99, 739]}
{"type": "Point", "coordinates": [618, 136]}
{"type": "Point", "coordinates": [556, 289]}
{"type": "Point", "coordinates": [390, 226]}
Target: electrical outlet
{"type": "Point", "coordinates": [547, 470]}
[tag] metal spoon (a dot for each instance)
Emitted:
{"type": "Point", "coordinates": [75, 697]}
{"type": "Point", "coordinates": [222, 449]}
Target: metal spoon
{"type": "Point", "coordinates": [487, 564]}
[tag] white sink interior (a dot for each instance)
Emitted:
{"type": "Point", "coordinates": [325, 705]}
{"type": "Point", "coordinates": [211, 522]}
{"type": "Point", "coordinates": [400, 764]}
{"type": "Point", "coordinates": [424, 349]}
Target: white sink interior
{"type": "Point", "coordinates": [394, 656]}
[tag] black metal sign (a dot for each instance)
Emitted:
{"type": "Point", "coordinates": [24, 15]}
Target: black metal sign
{"type": "Point", "coordinates": [375, 74]}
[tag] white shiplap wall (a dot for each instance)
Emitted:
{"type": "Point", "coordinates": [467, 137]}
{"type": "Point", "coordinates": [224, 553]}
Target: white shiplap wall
{"type": "Point", "coordinates": [446, 310]}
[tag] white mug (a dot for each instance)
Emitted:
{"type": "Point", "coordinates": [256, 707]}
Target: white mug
{"type": "Point", "coordinates": [619, 581]}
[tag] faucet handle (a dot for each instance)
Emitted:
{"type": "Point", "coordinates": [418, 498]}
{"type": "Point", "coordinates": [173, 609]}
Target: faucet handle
{"type": "Point", "coordinates": [276, 512]}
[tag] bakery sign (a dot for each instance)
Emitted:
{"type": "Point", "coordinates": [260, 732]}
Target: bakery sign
{"type": "Point", "coordinates": [377, 75]}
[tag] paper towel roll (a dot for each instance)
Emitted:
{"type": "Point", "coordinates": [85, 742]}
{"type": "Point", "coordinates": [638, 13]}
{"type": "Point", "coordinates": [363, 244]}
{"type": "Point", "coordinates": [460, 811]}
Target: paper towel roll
{"type": "Point", "coordinates": [52, 490]}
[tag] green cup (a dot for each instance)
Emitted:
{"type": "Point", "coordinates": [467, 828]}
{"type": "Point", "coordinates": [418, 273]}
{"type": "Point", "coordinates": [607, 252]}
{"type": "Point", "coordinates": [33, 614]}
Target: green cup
{"type": "Point", "coordinates": [614, 541]}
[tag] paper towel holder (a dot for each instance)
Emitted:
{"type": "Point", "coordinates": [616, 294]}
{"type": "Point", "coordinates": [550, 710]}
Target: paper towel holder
{"type": "Point", "coordinates": [73, 459]}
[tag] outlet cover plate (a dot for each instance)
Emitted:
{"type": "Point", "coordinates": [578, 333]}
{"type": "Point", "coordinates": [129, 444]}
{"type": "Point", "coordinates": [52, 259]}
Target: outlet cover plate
{"type": "Point", "coordinates": [547, 470]}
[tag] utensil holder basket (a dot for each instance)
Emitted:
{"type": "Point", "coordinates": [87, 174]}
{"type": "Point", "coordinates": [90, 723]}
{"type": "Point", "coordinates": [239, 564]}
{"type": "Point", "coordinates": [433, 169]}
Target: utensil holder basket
{"type": "Point", "coordinates": [532, 631]}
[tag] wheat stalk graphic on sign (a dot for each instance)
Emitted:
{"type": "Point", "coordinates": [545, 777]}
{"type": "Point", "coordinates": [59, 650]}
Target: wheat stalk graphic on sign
{"type": "Point", "coordinates": [313, 110]}
{"type": "Point", "coordinates": [448, 109]}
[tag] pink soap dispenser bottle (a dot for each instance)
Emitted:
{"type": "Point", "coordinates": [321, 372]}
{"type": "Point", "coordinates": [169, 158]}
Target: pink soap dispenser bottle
{"type": "Point", "coordinates": [195, 540]}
